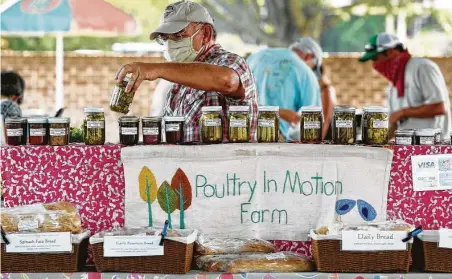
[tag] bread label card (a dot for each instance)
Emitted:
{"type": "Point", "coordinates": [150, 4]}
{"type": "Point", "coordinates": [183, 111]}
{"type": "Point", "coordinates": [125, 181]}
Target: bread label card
{"type": "Point", "coordinates": [39, 243]}
{"type": "Point", "coordinates": [275, 256]}
{"type": "Point", "coordinates": [373, 241]}
{"type": "Point", "coordinates": [445, 238]}
{"type": "Point", "coordinates": [132, 246]}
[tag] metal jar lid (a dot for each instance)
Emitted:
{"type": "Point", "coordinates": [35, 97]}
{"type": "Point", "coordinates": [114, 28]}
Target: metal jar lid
{"type": "Point", "coordinates": [212, 109]}
{"type": "Point", "coordinates": [425, 132]}
{"type": "Point", "coordinates": [404, 133]}
{"type": "Point", "coordinates": [15, 120]}
{"type": "Point", "coordinates": [311, 109]}
{"type": "Point", "coordinates": [59, 120]}
{"type": "Point", "coordinates": [37, 120]}
{"type": "Point", "coordinates": [128, 119]}
{"type": "Point", "coordinates": [376, 109]}
{"type": "Point", "coordinates": [93, 110]}
{"type": "Point", "coordinates": [348, 109]}
{"type": "Point", "coordinates": [174, 118]}
{"type": "Point", "coordinates": [151, 119]}
{"type": "Point", "coordinates": [268, 109]}
{"type": "Point", "coordinates": [239, 109]}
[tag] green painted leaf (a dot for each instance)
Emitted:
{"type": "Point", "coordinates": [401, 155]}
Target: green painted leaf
{"type": "Point", "coordinates": [167, 198]}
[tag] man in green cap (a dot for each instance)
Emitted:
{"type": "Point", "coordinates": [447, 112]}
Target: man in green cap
{"type": "Point", "coordinates": [417, 94]}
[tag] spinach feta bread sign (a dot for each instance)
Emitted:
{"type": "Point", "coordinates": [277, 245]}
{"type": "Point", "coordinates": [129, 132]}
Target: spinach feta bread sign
{"type": "Point", "coordinates": [270, 191]}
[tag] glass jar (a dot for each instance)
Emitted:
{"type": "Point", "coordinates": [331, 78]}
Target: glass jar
{"type": "Point", "coordinates": [120, 100]}
{"type": "Point", "coordinates": [16, 130]}
{"type": "Point", "coordinates": [59, 130]}
{"type": "Point", "coordinates": [94, 126]}
{"type": "Point", "coordinates": [438, 138]}
{"type": "Point", "coordinates": [174, 129]}
{"type": "Point", "coordinates": [376, 129]}
{"type": "Point", "coordinates": [359, 125]}
{"type": "Point", "coordinates": [404, 137]}
{"type": "Point", "coordinates": [211, 124]}
{"type": "Point", "coordinates": [239, 124]}
{"type": "Point", "coordinates": [128, 130]}
{"type": "Point", "coordinates": [151, 130]}
{"type": "Point", "coordinates": [425, 136]}
{"type": "Point", "coordinates": [344, 125]}
{"type": "Point", "coordinates": [38, 131]}
{"type": "Point", "coordinates": [268, 124]}
{"type": "Point", "coordinates": [311, 124]}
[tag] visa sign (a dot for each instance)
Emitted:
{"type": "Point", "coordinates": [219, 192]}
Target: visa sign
{"type": "Point", "coordinates": [426, 165]}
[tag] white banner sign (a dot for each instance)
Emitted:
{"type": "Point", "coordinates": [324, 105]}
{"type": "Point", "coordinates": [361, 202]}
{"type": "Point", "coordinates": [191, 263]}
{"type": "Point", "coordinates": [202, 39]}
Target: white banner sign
{"type": "Point", "coordinates": [132, 246]}
{"type": "Point", "coordinates": [432, 172]}
{"type": "Point", "coordinates": [373, 241]}
{"type": "Point", "coordinates": [39, 243]}
{"type": "Point", "coordinates": [270, 191]}
{"type": "Point", "coordinates": [445, 238]}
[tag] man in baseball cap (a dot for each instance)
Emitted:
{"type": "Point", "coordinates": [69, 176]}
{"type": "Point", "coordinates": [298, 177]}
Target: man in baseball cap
{"type": "Point", "coordinates": [203, 73]}
{"type": "Point", "coordinates": [417, 95]}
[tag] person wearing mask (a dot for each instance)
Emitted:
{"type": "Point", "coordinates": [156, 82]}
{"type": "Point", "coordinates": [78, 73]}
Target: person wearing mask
{"type": "Point", "coordinates": [417, 95]}
{"type": "Point", "coordinates": [203, 73]}
{"type": "Point", "coordinates": [13, 86]}
{"type": "Point", "coordinates": [284, 80]}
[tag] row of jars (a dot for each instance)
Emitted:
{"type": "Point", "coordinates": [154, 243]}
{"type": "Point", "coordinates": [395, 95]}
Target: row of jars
{"type": "Point", "coordinates": [418, 137]}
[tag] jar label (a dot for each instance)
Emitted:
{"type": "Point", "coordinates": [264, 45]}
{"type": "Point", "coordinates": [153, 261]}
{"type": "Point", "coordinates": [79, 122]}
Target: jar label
{"type": "Point", "coordinates": [238, 123]}
{"type": "Point", "coordinates": [58, 132]}
{"type": "Point", "coordinates": [426, 140]}
{"type": "Point", "coordinates": [380, 124]}
{"type": "Point", "coordinates": [40, 132]}
{"type": "Point", "coordinates": [172, 127]}
{"type": "Point", "coordinates": [95, 124]}
{"type": "Point", "coordinates": [344, 123]}
{"type": "Point", "coordinates": [266, 123]}
{"type": "Point", "coordinates": [28, 225]}
{"type": "Point", "coordinates": [212, 122]}
{"type": "Point", "coordinates": [151, 131]}
{"type": "Point", "coordinates": [115, 95]}
{"type": "Point", "coordinates": [311, 125]}
{"type": "Point", "coordinates": [129, 130]}
{"type": "Point", "coordinates": [14, 132]}
{"type": "Point", "coordinates": [404, 140]}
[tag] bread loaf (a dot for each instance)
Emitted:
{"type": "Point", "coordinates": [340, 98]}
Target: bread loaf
{"type": "Point", "coordinates": [218, 246]}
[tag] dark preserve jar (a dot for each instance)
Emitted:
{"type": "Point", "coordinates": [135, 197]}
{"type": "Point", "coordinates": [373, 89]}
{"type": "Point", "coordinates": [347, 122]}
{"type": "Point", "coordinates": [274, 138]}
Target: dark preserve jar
{"type": "Point", "coordinates": [151, 129]}
{"type": "Point", "coordinates": [38, 131]}
{"type": "Point", "coordinates": [128, 130]}
{"type": "Point", "coordinates": [174, 129]}
{"type": "Point", "coordinates": [16, 130]}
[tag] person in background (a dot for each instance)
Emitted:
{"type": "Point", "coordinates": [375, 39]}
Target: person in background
{"type": "Point", "coordinates": [417, 94]}
{"type": "Point", "coordinates": [159, 97]}
{"type": "Point", "coordinates": [284, 80]}
{"type": "Point", "coordinates": [13, 86]}
{"type": "Point", "coordinates": [203, 73]}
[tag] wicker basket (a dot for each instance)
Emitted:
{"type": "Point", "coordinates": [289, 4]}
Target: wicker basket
{"type": "Point", "coordinates": [435, 259]}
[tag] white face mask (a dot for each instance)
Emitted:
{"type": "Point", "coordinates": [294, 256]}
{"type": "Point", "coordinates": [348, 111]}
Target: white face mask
{"type": "Point", "coordinates": [182, 50]}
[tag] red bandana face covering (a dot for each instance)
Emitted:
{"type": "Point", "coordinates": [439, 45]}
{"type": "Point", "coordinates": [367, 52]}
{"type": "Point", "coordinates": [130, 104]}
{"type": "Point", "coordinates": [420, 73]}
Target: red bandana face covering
{"type": "Point", "coordinates": [394, 70]}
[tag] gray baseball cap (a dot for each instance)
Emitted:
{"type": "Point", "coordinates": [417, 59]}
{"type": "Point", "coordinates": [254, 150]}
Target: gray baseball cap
{"type": "Point", "coordinates": [178, 15]}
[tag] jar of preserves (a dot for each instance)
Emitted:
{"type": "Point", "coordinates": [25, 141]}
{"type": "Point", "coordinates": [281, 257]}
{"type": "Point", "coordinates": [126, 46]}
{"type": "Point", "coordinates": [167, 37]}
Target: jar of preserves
{"type": "Point", "coordinates": [151, 130]}
{"type": "Point", "coordinates": [404, 137]}
{"type": "Point", "coordinates": [94, 126]}
{"type": "Point", "coordinates": [16, 130]}
{"type": "Point", "coordinates": [38, 131]}
{"type": "Point", "coordinates": [211, 124]}
{"type": "Point", "coordinates": [239, 124]}
{"type": "Point", "coordinates": [268, 124]}
{"type": "Point", "coordinates": [311, 124]}
{"type": "Point", "coordinates": [344, 125]}
{"type": "Point", "coordinates": [376, 129]}
{"type": "Point", "coordinates": [59, 130]}
{"type": "Point", "coordinates": [128, 130]}
{"type": "Point", "coordinates": [120, 100]}
{"type": "Point", "coordinates": [425, 137]}
{"type": "Point", "coordinates": [174, 129]}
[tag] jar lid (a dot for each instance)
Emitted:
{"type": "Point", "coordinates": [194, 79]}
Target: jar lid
{"type": "Point", "coordinates": [128, 119]}
{"type": "Point", "coordinates": [59, 120]}
{"type": "Point", "coordinates": [268, 108]}
{"type": "Point", "coordinates": [311, 109]}
{"type": "Point", "coordinates": [359, 111]}
{"type": "Point", "coordinates": [344, 109]}
{"type": "Point", "coordinates": [239, 109]}
{"type": "Point", "coordinates": [37, 120]}
{"type": "Point", "coordinates": [93, 110]}
{"type": "Point", "coordinates": [426, 132]}
{"type": "Point", "coordinates": [404, 132]}
{"type": "Point", "coordinates": [174, 118]}
{"type": "Point", "coordinates": [212, 109]}
{"type": "Point", "coordinates": [376, 109]}
{"type": "Point", "coordinates": [15, 120]}
{"type": "Point", "coordinates": [151, 119]}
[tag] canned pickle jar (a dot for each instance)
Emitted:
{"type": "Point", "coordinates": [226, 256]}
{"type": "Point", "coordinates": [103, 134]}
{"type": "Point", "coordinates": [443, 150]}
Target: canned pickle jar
{"type": "Point", "coordinates": [311, 124]}
{"type": "Point", "coordinates": [239, 124]}
{"type": "Point", "coordinates": [120, 100]}
{"type": "Point", "coordinates": [268, 124]}
{"type": "Point", "coordinates": [211, 124]}
{"type": "Point", "coordinates": [94, 126]}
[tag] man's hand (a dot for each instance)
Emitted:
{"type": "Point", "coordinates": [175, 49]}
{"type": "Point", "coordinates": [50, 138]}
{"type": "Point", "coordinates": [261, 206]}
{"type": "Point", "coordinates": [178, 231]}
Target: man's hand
{"type": "Point", "coordinates": [395, 117]}
{"type": "Point", "coordinates": [290, 116]}
{"type": "Point", "coordinates": [139, 71]}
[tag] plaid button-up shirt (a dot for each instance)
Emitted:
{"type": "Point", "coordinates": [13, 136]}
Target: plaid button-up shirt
{"type": "Point", "coordinates": [185, 101]}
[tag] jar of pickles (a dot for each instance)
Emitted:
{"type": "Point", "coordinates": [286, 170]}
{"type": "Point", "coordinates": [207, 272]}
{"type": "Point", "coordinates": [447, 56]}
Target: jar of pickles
{"type": "Point", "coordinates": [344, 125]}
{"type": "Point", "coordinates": [16, 130]}
{"type": "Point", "coordinates": [311, 124]}
{"type": "Point", "coordinates": [38, 131]}
{"type": "Point", "coordinates": [174, 129]}
{"type": "Point", "coordinates": [404, 137]}
{"type": "Point", "coordinates": [120, 100]}
{"type": "Point", "coordinates": [211, 124]}
{"type": "Point", "coordinates": [128, 130]}
{"type": "Point", "coordinates": [239, 124]}
{"type": "Point", "coordinates": [376, 127]}
{"type": "Point", "coordinates": [151, 130]}
{"type": "Point", "coordinates": [268, 124]}
{"type": "Point", "coordinates": [59, 130]}
{"type": "Point", "coordinates": [425, 136]}
{"type": "Point", "coordinates": [94, 126]}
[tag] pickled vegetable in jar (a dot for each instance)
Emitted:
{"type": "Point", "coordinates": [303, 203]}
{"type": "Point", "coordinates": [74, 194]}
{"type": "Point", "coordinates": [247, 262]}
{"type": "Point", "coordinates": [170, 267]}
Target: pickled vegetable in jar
{"type": "Point", "coordinates": [94, 126]}
{"type": "Point", "coordinates": [311, 124]}
{"type": "Point", "coordinates": [38, 131]}
{"type": "Point", "coordinates": [59, 130]}
{"type": "Point", "coordinates": [239, 124]}
{"type": "Point", "coordinates": [344, 125]}
{"type": "Point", "coordinates": [16, 130]}
{"type": "Point", "coordinates": [211, 124]}
{"type": "Point", "coordinates": [174, 129]}
{"type": "Point", "coordinates": [128, 130]}
{"type": "Point", "coordinates": [425, 137]}
{"type": "Point", "coordinates": [268, 124]}
{"type": "Point", "coordinates": [151, 130]}
{"type": "Point", "coordinates": [120, 100]}
{"type": "Point", "coordinates": [376, 129]}
{"type": "Point", "coordinates": [404, 137]}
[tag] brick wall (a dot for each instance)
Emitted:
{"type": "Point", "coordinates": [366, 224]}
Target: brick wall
{"type": "Point", "coordinates": [88, 81]}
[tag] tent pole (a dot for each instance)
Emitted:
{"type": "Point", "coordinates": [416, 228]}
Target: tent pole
{"type": "Point", "coordinates": [59, 90]}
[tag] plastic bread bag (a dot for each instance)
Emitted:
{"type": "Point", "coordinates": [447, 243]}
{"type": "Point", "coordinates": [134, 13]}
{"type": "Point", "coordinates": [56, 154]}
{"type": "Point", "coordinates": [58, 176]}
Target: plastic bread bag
{"type": "Point", "coordinates": [245, 263]}
{"type": "Point", "coordinates": [217, 246]}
